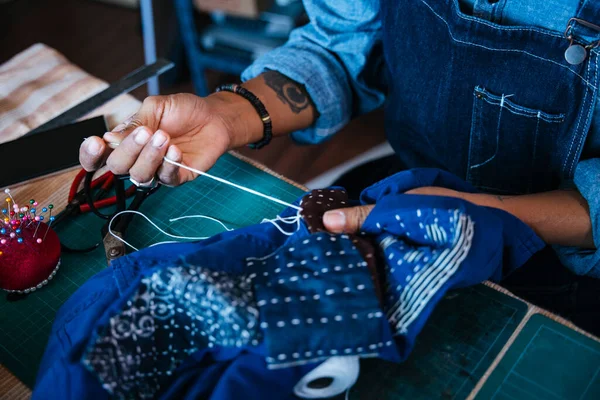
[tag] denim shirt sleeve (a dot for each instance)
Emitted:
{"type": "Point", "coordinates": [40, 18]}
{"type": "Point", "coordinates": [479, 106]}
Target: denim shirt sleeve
{"type": "Point", "coordinates": [337, 57]}
{"type": "Point", "coordinates": [586, 261]}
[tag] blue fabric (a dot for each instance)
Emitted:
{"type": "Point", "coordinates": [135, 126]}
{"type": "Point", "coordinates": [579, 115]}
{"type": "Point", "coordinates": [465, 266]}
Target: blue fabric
{"type": "Point", "coordinates": [517, 120]}
{"type": "Point", "coordinates": [252, 311]}
{"type": "Point", "coordinates": [445, 247]}
{"type": "Point", "coordinates": [300, 290]}
{"type": "Point", "coordinates": [582, 261]}
{"type": "Point", "coordinates": [338, 58]}
{"type": "Point", "coordinates": [548, 14]}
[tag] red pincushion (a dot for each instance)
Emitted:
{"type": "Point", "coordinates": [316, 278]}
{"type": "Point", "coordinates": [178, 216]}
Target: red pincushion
{"type": "Point", "coordinates": [27, 266]}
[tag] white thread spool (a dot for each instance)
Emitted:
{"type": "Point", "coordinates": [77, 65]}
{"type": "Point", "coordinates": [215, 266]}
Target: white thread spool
{"type": "Point", "coordinates": [343, 372]}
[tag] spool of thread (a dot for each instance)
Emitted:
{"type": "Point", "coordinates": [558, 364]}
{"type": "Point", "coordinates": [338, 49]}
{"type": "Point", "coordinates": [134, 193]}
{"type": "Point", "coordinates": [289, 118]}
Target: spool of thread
{"type": "Point", "coordinates": [334, 376]}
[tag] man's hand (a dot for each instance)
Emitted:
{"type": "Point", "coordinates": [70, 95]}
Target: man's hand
{"type": "Point", "coordinates": [559, 217]}
{"type": "Point", "coordinates": [184, 127]}
{"type": "Point", "coordinates": [349, 220]}
{"type": "Point", "coordinates": [196, 131]}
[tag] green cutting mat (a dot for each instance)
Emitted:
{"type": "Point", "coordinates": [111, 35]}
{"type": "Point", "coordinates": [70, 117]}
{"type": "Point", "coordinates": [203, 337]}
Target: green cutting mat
{"type": "Point", "coordinates": [546, 361]}
{"type": "Point", "coordinates": [463, 336]}
{"type": "Point", "coordinates": [25, 324]}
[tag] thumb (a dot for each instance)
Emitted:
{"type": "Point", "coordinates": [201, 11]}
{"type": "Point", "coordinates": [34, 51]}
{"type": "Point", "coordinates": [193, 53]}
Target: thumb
{"type": "Point", "coordinates": [348, 220]}
{"type": "Point", "coordinates": [148, 115]}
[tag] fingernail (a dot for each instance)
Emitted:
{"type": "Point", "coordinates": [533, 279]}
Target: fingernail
{"type": "Point", "coordinates": [334, 220]}
{"type": "Point", "coordinates": [120, 128]}
{"type": "Point", "coordinates": [173, 154]}
{"type": "Point", "coordinates": [109, 136]}
{"type": "Point", "coordinates": [93, 147]}
{"type": "Point", "coordinates": [141, 135]}
{"type": "Point", "coordinates": [159, 139]}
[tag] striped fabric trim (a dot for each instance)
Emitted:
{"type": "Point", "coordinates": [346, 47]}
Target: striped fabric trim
{"type": "Point", "coordinates": [425, 283]}
{"type": "Point", "coordinates": [40, 83]}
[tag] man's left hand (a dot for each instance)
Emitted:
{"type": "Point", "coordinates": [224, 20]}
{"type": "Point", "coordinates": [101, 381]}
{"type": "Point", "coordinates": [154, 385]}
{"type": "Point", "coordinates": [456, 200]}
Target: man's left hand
{"type": "Point", "coordinates": [349, 220]}
{"type": "Point", "coordinates": [559, 217]}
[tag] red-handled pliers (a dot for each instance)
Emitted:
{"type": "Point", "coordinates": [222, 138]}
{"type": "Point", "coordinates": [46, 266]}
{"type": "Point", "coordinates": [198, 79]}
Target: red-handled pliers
{"type": "Point", "coordinates": [77, 197]}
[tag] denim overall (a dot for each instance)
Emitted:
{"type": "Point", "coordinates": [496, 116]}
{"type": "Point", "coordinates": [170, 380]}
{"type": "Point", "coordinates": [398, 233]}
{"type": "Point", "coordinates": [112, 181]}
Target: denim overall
{"type": "Point", "coordinates": [500, 107]}
{"type": "Point", "coordinates": [496, 105]}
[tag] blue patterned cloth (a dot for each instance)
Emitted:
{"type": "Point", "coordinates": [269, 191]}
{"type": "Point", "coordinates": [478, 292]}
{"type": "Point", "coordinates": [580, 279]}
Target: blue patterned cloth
{"type": "Point", "coordinates": [252, 311]}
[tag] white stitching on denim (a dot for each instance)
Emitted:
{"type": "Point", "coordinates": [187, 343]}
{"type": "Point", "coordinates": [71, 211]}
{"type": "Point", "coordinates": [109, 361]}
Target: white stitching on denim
{"type": "Point", "coordinates": [518, 110]}
{"type": "Point", "coordinates": [578, 123]}
{"type": "Point", "coordinates": [490, 97]}
{"type": "Point", "coordinates": [497, 138]}
{"type": "Point", "coordinates": [496, 26]}
{"type": "Point", "coordinates": [474, 117]}
{"type": "Point", "coordinates": [312, 360]}
{"type": "Point", "coordinates": [581, 141]}
{"type": "Point", "coordinates": [502, 50]}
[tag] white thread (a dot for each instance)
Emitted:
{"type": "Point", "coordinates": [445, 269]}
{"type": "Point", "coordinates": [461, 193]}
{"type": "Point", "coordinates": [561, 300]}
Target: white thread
{"type": "Point", "coordinates": [159, 229]}
{"type": "Point", "coordinates": [295, 219]}
{"type": "Point", "coordinates": [235, 185]}
{"type": "Point", "coordinates": [202, 216]}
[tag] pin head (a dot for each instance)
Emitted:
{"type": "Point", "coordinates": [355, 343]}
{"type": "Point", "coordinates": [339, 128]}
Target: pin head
{"type": "Point", "coordinates": [3, 241]}
{"type": "Point", "coordinates": [20, 240]}
{"type": "Point", "coordinates": [39, 240]}
{"type": "Point", "coordinates": [7, 199]}
{"type": "Point", "coordinates": [31, 201]}
{"type": "Point", "coordinates": [37, 218]}
{"type": "Point", "coordinates": [12, 234]}
{"type": "Point", "coordinates": [51, 206]}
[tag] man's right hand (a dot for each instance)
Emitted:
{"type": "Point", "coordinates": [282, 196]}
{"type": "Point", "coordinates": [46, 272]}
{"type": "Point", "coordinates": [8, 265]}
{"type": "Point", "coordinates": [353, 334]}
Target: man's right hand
{"type": "Point", "coordinates": [185, 128]}
{"type": "Point", "coordinates": [195, 131]}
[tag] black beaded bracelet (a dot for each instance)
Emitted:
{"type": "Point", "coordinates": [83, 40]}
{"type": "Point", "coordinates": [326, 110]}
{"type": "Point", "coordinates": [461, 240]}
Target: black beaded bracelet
{"type": "Point", "coordinates": [260, 109]}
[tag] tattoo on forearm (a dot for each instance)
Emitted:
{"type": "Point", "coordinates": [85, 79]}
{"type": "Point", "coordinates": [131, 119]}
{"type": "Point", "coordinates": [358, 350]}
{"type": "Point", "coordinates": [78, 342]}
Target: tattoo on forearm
{"type": "Point", "coordinates": [502, 198]}
{"type": "Point", "coordinates": [288, 91]}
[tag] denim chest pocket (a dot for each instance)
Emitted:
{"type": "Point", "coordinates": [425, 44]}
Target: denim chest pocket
{"type": "Point", "coordinates": [510, 145]}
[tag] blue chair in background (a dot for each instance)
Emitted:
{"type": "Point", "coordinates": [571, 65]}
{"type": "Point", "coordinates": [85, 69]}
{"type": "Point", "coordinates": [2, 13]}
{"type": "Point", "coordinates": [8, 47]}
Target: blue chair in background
{"type": "Point", "coordinates": [230, 44]}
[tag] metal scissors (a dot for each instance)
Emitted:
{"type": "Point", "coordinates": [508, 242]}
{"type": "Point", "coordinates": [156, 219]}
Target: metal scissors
{"type": "Point", "coordinates": [116, 225]}
{"type": "Point", "coordinates": [77, 201]}
{"type": "Point", "coordinates": [94, 196]}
